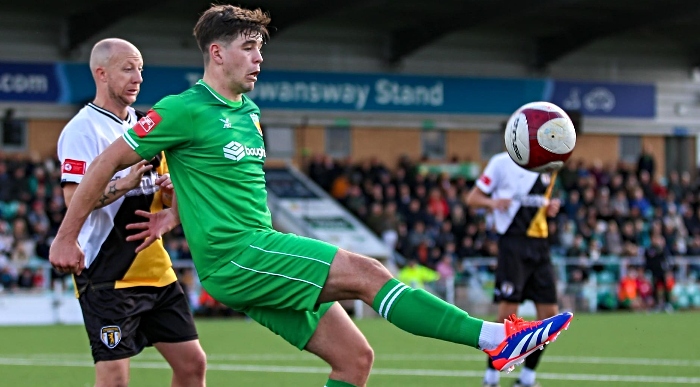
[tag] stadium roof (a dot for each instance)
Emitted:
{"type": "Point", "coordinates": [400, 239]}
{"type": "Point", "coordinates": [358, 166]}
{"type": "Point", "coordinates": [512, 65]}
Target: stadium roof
{"type": "Point", "coordinates": [555, 27]}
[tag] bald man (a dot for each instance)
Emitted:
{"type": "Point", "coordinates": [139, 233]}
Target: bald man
{"type": "Point", "coordinates": [129, 300]}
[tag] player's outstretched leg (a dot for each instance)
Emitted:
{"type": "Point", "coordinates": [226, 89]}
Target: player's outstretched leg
{"type": "Point", "coordinates": [419, 312]}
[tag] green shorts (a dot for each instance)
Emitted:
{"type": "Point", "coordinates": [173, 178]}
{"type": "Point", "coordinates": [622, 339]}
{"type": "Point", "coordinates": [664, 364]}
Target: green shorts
{"type": "Point", "coordinates": [276, 280]}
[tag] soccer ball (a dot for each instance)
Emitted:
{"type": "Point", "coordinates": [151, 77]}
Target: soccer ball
{"type": "Point", "coordinates": [540, 137]}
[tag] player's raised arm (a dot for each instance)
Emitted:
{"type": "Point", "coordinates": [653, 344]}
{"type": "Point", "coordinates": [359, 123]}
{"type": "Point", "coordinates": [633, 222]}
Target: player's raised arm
{"type": "Point", "coordinates": [65, 254]}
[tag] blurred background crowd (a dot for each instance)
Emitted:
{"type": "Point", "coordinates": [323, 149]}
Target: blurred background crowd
{"type": "Point", "coordinates": [608, 213]}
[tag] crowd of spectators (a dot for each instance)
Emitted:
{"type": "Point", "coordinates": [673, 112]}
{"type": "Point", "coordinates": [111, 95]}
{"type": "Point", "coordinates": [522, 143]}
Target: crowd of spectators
{"type": "Point", "coordinates": [31, 210]}
{"type": "Point", "coordinates": [608, 211]}
{"type": "Point", "coordinates": [614, 210]}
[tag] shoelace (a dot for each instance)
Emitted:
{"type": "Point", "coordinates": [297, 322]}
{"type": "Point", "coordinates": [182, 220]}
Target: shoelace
{"type": "Point", "coordinates": [515, 324]}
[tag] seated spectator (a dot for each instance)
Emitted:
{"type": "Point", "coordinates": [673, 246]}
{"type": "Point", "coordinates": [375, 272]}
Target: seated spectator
{"type": "Point", "coordinates": [620, 205]}
{"type": "Point", "coordinates": [640, 202]}
{"type": "Point", "coordinates": [446, 272]}
{"type": "Point", "coordinates": [25, 279]}
{"type": "Point", "coordinates": [627, 292]}
{"type": "Point", "coordinates": [644, 288]}
{"type": "Point", "coordinates": [613, 239]}
{"type": "Point", "coordinates": [375, 218]}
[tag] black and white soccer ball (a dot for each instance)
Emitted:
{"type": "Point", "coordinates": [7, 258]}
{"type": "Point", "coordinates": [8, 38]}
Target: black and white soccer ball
{"type": "Point", "coordinates": [540, 137]}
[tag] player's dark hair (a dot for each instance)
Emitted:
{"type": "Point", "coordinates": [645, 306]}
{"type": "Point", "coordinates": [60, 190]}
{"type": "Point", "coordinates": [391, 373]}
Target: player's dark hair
{"type": "Point", "coordinates": [224, 23]}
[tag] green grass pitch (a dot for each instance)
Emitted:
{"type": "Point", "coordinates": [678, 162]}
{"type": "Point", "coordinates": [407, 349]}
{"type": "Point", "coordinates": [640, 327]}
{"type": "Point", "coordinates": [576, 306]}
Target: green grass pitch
{"type": "Point", "coordinates": [598, 350]}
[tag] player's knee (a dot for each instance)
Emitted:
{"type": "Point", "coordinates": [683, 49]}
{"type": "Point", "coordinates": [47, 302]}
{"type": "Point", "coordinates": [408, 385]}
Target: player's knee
{"type": "Point", "coordinates": [365, 359]}
{"type": "Point", "coordinates": [118, 379]}
{"type": "Point", "coordinates": [112, 373]}
{"type": "Point", "coordinates": [194, 368]}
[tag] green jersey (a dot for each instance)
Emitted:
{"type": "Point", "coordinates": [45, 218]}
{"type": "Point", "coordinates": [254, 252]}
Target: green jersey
{"type": "Point", "coordinates": [215, 154]}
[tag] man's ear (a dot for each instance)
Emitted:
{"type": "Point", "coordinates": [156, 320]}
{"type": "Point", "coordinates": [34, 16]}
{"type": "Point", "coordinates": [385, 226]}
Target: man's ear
{"type": "Point", "coordinates": [215, 53]}
{"type": "Point", "coordinates": [101, 74]}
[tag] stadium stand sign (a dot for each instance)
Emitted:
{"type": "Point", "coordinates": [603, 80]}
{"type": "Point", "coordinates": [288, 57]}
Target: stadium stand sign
{"type": "Point", "coordinates": [29, 82]}
{"type": "Point", "coordinates": [349, 92]}
{"type": "Point", "coordinates": [604, 99]}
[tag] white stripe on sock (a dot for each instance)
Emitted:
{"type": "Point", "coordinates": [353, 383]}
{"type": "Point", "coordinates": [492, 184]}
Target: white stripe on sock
{"type": "Point", "coordinates": [381, 306]}
{"type": "Point", "coordinates": [386, 312]}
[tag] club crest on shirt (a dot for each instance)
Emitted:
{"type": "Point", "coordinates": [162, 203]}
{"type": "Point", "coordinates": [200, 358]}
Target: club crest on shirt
{"type": "Point", "coordinates": [111, 335]}
{"type": "Point", "coordinates": [227, 123]}
{"type": "Point", "coordinates": [147, 123]}
{"type": "Point", "coordinates": [545, 178]}
{"type": "Point", "coordinates": [256, 122]}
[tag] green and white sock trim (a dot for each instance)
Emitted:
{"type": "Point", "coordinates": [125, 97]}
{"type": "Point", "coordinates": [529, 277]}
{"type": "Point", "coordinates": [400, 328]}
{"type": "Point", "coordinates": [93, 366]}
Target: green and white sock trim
{"type": "Point", "coordinates": [395, 289]}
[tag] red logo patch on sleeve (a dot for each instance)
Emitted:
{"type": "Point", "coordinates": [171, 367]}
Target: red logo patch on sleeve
{"type": "Point", "coordinates": [74, 167]}
{"type": "Point", "coordinates": [485, 179]}
{"type": "Point", "coordinates": [147, 123]}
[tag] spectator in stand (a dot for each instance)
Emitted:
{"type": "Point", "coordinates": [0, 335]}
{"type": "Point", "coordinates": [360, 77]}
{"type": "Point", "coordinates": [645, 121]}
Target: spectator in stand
{"type": "Point", "coordinates": [6, 183]}
{"type": "Point", "coordinates": [322, 170]}
{"type": "Point", "coordinates": [23, 247]}
{"type": "Point", "coordinates": [445, 234]}
{"type": "Point", "coordinates": [437, 205]}
{"type": "Point", "coordinates": [646, 161]}
{"type": "Point", "coordinates": [466, 249]}
{"type": "Point", "coordinates": [641, 203]}
{"type": "Point", "coordinates": [355, 201]}
{"type": "Point", "coordinates": [674, 184]}
{"type": "Point", "coordinates": [645, 183]}
{"type": "Point", "coordinates": [375, 218]}
{"type": "Point", "coordinates": [686, 183]}
{"type": "Point", "coordinates": [627, 291]}
{"type": "Point", "coordinates": [578, 249]}
{"type": "Point", "coordinates": [598, 173]}
{"type": "Point", "coordinates": [569, 177]}
{"type": "Point", "coordinates": [446, 275]}
{"type": "Point", "coordinates": [19, 189]}
{"type": "Point", "coordinates": [572, 204]}
{"type": "Point", "coordinates": [644, 288]}
{"type": "Point", "coordinates": [25, 280]}
{"type": "Point", "coordinates": [658, 263]}
{"type": "Point", "coordinates": [613, 239]}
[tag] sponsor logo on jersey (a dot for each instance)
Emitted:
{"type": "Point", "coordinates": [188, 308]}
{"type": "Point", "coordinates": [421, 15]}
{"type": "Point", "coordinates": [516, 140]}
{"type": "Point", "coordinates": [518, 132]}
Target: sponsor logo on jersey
{"type": "Point", "coordinates": [147, 123]}
{"type": "Point", "coordinates": [227, 123]}
{"type": "Point", "coordinates": [111, 335]}
{"type": "Point", "coordinates": [236, 151]}
{"type": "Point", "coordinates": [256, 122]}
{"type": "Point", "coordinates": [485, 179]}
{"type": "Point", "coordinates": [75, 167]}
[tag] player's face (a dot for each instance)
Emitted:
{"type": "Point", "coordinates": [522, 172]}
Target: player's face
{"type": "Point", "coordinates": [242, 59]}
{"type": "Point", "coordinates": [124, 76]}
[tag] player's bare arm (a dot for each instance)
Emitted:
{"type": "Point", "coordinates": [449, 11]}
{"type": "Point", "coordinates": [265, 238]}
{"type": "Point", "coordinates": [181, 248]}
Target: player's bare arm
{"type": "Point", "coordinates": [115, 189]}
{"type": "Point", "coordinates": [65, 254]}
{"type": "Point", "coordinates": [478, 199]}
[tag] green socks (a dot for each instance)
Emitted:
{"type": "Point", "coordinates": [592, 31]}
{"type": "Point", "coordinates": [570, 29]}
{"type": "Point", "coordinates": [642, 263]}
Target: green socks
{"type": "Point", "coordinates": [337, 383]}
{"type": "Point", "coordinates": [419, 312]}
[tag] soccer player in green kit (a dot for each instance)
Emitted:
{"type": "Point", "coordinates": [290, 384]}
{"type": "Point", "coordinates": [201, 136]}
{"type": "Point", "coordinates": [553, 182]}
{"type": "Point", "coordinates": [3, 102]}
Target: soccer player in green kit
{"type": "Point", "coordinates": [290, 284]}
